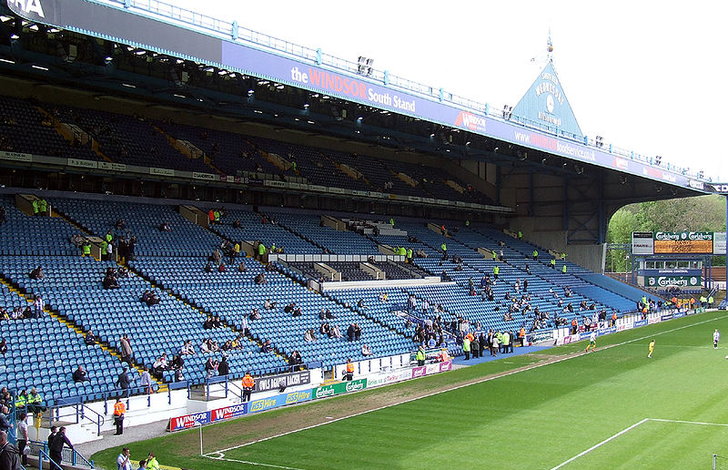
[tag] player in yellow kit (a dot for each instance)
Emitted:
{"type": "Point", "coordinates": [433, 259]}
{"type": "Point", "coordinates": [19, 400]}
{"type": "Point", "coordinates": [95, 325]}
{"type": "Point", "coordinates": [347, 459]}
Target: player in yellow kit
{"type": "Point", "coordinates": [650, 348]}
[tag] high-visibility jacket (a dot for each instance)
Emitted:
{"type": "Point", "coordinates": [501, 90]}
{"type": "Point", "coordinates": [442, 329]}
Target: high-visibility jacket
{"type": "Point", "coordinates": [410, 253]}
{"type": "Point", "coordinates": [466, 345]}
{"type": "Point", "coordinates": [563, 269]}
{"type": "Point", "coordinates": [36, 206]}
{"type": "Point", "coordinates": [443, 247]}
{"type": "Point", "coordinates": [553, 262]}
{"type": "Point", "coordinates": [216, 214]}
{"type": "Point", "coordinates": [520, 234]}
{"type": "Point", "coordinates": [261, 249]}
{"type": "Point", "coordinates": [496, 270]}
{"type": "Point", "coordinates": [119, 408]}
{"type": "Point", "coordinates": [152, 464]}
{"type": "Point", "coordinates": [86, 248]}
{"type": "Point", "coordinates": [420, 356]}
{"type": "Point", "coordinates": [710, 299]}
{"type": "Point", "coordinates": [391, 221]}
{"type": "Point", "coordinates": [467, 223]}
{"type": "Point", "coordinates": [37, 398]}
{"type": "Point", "coordinates": [20, 401]}
{"type": "Point", "coordinates": [522, 333]}
{"type": "Point", "coordinates": [43, 205]}
{"type": "Point", "coordinates": [495, 256]}
{"type": "Point", "coordinates": [703, 299]}
{"type": "Point", "coordinates": [614, 316]}
{"type": "Point", "coordinates": [574, 322]}
{"type": "Point", "coordinates": [349, 367]}
{"type": "Point", "coordinates": [535, 253]}
{"type": "Point", "coordinates": [236, 248]}
{"type": "Point", "coordinates": [104, 245]}
{"type": "Point", "coordinates": [248, 382]}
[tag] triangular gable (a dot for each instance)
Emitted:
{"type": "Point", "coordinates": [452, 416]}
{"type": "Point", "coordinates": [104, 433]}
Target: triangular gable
{"type": "Point", "coordinates": [545, 104]}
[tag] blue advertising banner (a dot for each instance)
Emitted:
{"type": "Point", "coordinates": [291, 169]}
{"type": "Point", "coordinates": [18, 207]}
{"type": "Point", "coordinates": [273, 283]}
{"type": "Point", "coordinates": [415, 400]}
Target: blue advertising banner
{"type": "Point", "coordinates": [263, 404]}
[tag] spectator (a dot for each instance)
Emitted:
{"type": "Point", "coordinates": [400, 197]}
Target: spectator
{"type": "Point", "coordinates": [3, 346]}
{"type": "Point", "coordinates": [295, 359]}
{"type": "Point", "coordinates": [242, 268]}
{"type": "Point", "coordinates": [145, 381]}
{"type": "Point", "coordinates": [9, 454]}
{"type": "Point", "coordinates": [80, 375]}
{"type": "Point", "coordinates": [125, 349]}
{"type": "Point", "coordinates": [4, 422]}
{"type": "Point", "coordinates": [56, 445]}
{"type": "Point", "coordinates": [187, 348]}
{"type": "Point", "coordinates": [309, 335]}
{"type": "Point", "coordinates": [266, 346]}
{"type": "Point", "coordinates": [123, 382]}
{"type": "Point", "coordinates": [366, 350]}
{"type": "Point", "coordinates": [37, 273]}
{"type": "Point", "coordinates": [90, 338]}
{"type": "Point", "coordinates": [211, 367]}
{"type": "Point", "coordinates": [260, 279]}
{"type": "Point", "coordinates": [22, 439]}
{"type": "Point", "coordinates": [151, 462]}
{"type": "Point", "coordinates": [223, 368]}
{"type": "Point", "coordinates": [177, 362]}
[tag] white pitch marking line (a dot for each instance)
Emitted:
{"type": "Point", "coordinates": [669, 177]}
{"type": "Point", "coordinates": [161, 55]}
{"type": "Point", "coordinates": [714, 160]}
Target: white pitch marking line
{"type": "Point", "coordinates": [487, 379]}
{"type": "Point", "coordinates": [257, 464]}
{"type": "Point", "coordinates": [596, 446]}
{"type": "Point", "coordinates": [678, 421]}
{"type": "Point", "coordinates": [623, 431]}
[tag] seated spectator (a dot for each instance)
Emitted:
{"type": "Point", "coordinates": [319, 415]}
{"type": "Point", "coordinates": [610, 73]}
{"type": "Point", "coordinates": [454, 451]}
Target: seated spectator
{"type": "Point", "coordinates": [211, 367]}
{"type": "Point", "coordinates": [289, 308]}
{"type": "Point", "coordinates": [160, 366]}
{"type": "Point", "coordinates": [89, 339]}
{"type": "Point", "coordinates": [164, 227]}
{"type": "Point", "coordinates": [242, 268]}
{"type": "Point", "coordinates": [295, 359]}
{"type": "Point", "coordinates": [325, 329]}
{"type": "Point", "coordinates": [366, 350]}
{"type": "Point", "coordinates": [222, 268]}
{"type": "Point", "coordinates": [208, 323]}
{"type": "Point", "coordinates": [187, 348]}
{"type": "Point", "coordinates": [309, 335]}
{"type": "Point", "coordinates": [208, 267]}
{"type": "Point", "coordinates": [177, 362]}
{"type": "Point", "coordinates": [297, 312]}
{"type": "Point", "coordinates": [37, 273]}
{"type": "Point", "coordinates": [384, 297]}
{"type": "Point", "coordinates": [361, 304]}
{"type": "Point", "coordinates": [266, 347]}
{"type": "Point", "coordinates": [255, 314]}
{"type": "Point", "coordinates": [329, 315]}
{"type": "Point", "coordinates": [80, 375]}
{"type": "Point", "coordinates": [3, 346]}
{"type": "Point", "coordinates": [268, 305]}
{"type": "Point", "coordinates": [335, 332]}
{"type": "Point", "coordinates": [216, 322]}
{"type": "Point", "coordinates": [110, 281]}
{"type": "Point", "coordinates": [260, 279]}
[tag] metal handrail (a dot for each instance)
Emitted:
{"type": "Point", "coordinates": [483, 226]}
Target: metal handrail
{"type": "Point", "coordinates": [231, 30]}
{"type": "Point", "coordinates": [43, 456]}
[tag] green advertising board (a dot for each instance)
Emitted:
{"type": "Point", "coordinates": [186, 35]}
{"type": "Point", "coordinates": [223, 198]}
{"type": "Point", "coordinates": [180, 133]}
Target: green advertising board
{"type": "Point", "coordinates": [339, 388]}
{"type": "Point", "coordinates": [673, 281]}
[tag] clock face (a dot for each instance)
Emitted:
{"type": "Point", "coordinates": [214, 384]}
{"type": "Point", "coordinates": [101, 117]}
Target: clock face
{"type": "Point", "coordinates": [550, 103]}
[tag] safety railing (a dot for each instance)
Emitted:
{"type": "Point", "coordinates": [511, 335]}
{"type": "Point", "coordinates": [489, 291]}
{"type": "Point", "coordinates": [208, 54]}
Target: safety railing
{"type": "Point", "coordinates": [75, 411]}
{"type": "Point", "coordinates": [69, 456]}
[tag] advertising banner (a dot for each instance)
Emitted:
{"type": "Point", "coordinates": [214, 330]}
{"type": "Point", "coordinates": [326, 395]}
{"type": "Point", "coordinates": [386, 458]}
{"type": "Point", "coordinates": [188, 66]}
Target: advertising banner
{"type": "Point", "coordinates": [683, 242]}
{"type": "Point", "coordinates": [339, 388]}
{"type": "Point", "coordinates": [390, 378]}
{"type": "Point", "coordinates": [673, 281]}
{"type": "Point", "coordinates": [263, 404]}
{"type": "Point", "coordinates": [188, 421]}
{"type": "Point", "coordinates": [719, 243]}
{"type": "Point", "coordinates": [293, 379]}
{"type": "Point", "coordinates": [642, 243]}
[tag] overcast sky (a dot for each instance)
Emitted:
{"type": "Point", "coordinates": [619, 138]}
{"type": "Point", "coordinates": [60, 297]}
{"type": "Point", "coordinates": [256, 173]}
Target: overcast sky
{"type": "Point", "coordinates": [647, 76]}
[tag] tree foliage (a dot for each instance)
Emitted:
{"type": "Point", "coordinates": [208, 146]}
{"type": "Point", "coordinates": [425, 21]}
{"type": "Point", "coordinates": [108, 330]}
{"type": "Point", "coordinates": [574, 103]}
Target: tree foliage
{"type": "Point", "coordinates": [694, 214]}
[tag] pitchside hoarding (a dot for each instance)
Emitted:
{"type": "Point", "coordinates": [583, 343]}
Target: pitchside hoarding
{"type": "Point", "coordinates": [662, 282]}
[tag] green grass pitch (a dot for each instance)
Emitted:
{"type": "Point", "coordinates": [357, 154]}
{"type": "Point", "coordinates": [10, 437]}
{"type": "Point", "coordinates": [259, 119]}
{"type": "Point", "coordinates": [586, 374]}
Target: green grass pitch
{"type": "Point", "coordinates": [609, 409]}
